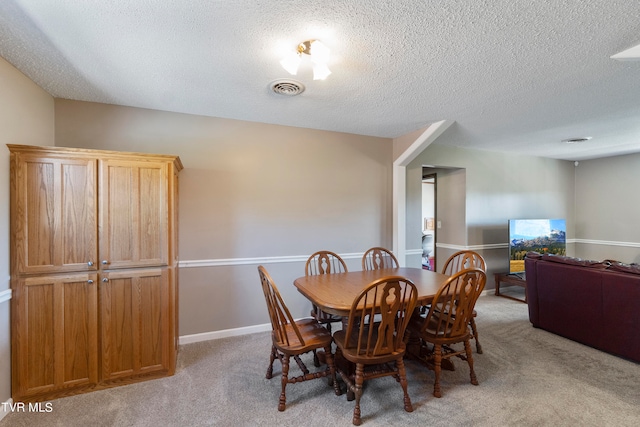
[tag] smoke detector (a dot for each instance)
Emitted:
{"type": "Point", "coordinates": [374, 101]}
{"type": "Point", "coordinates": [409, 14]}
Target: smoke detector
{"type": "Point", "coordinates": [287, 87]}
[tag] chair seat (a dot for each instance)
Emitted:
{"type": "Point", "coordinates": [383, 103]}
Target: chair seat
{"type": "Point", "coordinates": [432, 331]}
{"type": "Point", "coordinates": [350, 353]}
{"type": "Point", "coordinates": [428, 306]}
{"type": "Point", "coordinates": [325, 317]}
{"type": "Point", "coordinates": [313, 336]}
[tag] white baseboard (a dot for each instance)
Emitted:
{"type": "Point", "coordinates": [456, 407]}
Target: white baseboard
{"type": "Point", "coordinates": [214, 335]}
{"type": "Point", "coordinates": [4, 411]}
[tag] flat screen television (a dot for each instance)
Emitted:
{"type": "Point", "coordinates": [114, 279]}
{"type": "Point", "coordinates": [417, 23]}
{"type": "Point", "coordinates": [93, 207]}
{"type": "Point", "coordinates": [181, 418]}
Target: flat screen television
{"type": "Point", "coordinates": [546, 236]}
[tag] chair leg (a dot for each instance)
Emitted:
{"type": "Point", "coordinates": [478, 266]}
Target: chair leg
{"type": "Point", "coordinates": [301, 365]}
{"type": "Point", "coordinates": [474, 330]}
{"type": "Point", "coordinates": [271, 359]}
{"type": "Point", "coordinates": [285, 380]}
{"type": "Point", "coordinates": [358, 392]}
{"type": "Point", "coordinates": [472, 374]}
{"type": "Point", "coordinates": [316, 359]}
{"type": "Point", "coordinates": [403, 382]}
{"type": "Point", "coordinates": [332, 371]}
{"type": "Point", "coordinates": [437, 368]}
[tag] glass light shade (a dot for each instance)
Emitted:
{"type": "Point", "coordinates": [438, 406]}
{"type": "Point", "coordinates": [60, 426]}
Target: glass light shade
{"type": "Point", "coordinates": [291, 62]}
{"type": "Point", "coordinates": [319, 52]}
{"type": "Point", "coordinates": [320, 71]}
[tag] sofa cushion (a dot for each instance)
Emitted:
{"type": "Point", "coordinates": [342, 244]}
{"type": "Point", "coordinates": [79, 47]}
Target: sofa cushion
{"type": "Point", "coordinates": [624, 268]}
{"type": "Point", "coordinates": [575, 261]}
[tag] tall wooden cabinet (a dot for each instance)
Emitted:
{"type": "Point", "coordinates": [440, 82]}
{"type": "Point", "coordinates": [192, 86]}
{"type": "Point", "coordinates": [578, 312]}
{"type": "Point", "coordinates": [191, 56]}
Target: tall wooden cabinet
{"type": "Point", "coordinates": [93, 269]}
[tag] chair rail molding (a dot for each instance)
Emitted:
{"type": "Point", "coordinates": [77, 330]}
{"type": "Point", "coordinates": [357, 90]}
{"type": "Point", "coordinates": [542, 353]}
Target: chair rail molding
{"type": "Point", "coordinates": [5, 295]}
{"type": "Point", "coordinates": [605, 243]}
{"type": "Point", "coordinates": [223, 262]}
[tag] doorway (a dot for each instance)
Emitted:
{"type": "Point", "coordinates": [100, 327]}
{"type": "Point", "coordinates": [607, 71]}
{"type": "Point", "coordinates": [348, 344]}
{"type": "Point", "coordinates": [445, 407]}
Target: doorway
{"type": "Point", "coordinates": [429, 191]}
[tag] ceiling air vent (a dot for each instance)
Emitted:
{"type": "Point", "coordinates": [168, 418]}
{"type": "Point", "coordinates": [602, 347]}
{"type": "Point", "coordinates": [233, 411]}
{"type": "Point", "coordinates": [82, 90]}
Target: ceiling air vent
{"type": "Point", "coordinates": [287, 87]}
{"type": "Point", "coordinates": [576, 140]}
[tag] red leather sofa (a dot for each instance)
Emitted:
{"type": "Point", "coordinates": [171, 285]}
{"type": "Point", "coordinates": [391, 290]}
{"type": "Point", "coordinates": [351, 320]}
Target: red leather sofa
{"type": "Point", "coordinates": [594, 303]}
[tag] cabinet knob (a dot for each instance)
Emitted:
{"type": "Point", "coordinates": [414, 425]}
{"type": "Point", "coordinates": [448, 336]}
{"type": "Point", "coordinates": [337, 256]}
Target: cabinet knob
{"type": "Point", "coordinates": [105, 280]}
{"type": "Point", "coordinates": [90, 263]}
{"type": "Point", "coordinates": [90, 281]}
{"type": "Point", "coordinates": [105, 262]}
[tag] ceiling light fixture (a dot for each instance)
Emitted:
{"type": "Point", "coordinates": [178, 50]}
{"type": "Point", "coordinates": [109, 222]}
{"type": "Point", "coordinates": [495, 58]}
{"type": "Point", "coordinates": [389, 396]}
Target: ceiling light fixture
{"type": "Point", "coordinates": [318, 53]}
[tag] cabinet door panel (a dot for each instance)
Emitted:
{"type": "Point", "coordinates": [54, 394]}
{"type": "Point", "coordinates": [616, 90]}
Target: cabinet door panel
{"type": "Point", "coordinates": [39, 231]}
{"type": "Point", "coordinates": [80, 331]}
{"type": "Point", "coordinates": [135, 322]}
{"type": "Point", "coordinates": [152, 322]}
{"type": "Point", "coordinates": [78, 214]}
{"type": "Point", "coordinates": [116, 298]}
{"type": "Point", "coordinates": [134, 219]}
{"type": "Point", "coordinates": [54, 224]}
{"type": "Point", "coordinates": [40, 308]}
{"type": "Point", "coordinates": [152, 219]}
{"type": "Point", "coordinates": [56, 319]}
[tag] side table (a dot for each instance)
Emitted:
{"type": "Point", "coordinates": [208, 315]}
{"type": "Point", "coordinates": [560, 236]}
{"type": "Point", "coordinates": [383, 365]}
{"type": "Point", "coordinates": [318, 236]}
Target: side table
{"type": "Point", "coordinates": [513, 280]}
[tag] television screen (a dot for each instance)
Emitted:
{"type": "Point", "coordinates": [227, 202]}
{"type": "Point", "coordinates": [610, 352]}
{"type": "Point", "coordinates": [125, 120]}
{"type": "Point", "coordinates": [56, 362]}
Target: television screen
{"type": "Point", "coordinates": [546, 236]}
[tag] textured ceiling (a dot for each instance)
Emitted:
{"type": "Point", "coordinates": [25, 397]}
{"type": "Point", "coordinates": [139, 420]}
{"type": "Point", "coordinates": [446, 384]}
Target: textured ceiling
{"type": "Point", "coordinates": [514, 75]}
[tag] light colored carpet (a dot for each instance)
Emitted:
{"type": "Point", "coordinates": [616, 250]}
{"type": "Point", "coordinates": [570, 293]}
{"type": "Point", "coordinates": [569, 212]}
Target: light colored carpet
{"type": "Point", "coordinates": [528, 377]}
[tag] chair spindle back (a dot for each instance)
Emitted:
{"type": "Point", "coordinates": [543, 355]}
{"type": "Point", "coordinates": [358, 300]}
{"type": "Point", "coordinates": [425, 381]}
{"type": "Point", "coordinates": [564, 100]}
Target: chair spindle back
{"type": "Point", "coordinates": [378, 258]}
{"type": "Point", "coordinates": [279, 314]}
{"type": "Point", "coordinates": [452, 307]}
{"type": "Point", "coordinates": [324, 262]}
{"type": "Point", "coordinates": [463, 260]}
{"type": "Point", "coordinates": [379, 316]}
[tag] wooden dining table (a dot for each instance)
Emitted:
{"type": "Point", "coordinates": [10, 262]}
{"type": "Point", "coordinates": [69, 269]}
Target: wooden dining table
{"type": "Point", "coordinates": [334, 293]}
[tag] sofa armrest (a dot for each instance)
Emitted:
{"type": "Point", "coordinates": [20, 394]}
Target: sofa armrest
{"type": "Point", "coordinates": [621, 312]}
{"type": "Point", "coordinates": [531, 275]}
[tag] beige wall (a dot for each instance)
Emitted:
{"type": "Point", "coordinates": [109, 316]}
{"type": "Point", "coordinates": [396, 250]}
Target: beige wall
{"type": "Point", "coordinates": [478, 191]}
{"type": "Point", "coordinates": [250, 191]}
{"type": "Point", "coordinates": [608, 208]}
{"type": "Point", "coordinates": [403, 142]}
{"type": "Point", "coordinates": [26, 117]}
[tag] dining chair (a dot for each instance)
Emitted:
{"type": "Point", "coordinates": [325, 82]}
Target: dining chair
{"type": "Point", "coordinates": [447, 321]}
{"type": "Point", "coordinates": [377, 258]}
{"type": "Point", "coordinates": [459, 261]}
{"type": "Point", "coordinates": [292, 338]}
{"type": "Point", "coordinates": [324, 262]}
{"type": "Point", "coordinates": [374, 338]}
